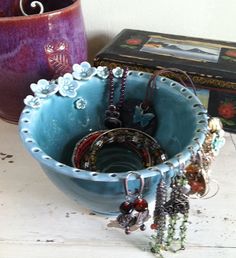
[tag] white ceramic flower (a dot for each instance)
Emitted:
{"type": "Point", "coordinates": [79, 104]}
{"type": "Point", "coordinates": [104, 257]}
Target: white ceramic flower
{"type": "Point", "coordinates": [102, 72]}
{"type": "Point", "coordinates": [33, 102]}
{"type": "Point", "coordinates": [80, 103]}
{"type": "Point", "coordinates": [118, 72]}
{"type": "Point", "coordinates": [84, 71]}
{"type": "Point", "coordinates": [68, 86]}
{"type": "Point", "coordinates": [44, 88]}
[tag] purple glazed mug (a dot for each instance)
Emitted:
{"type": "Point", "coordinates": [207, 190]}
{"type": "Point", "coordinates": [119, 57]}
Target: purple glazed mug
{"type": "Point", "coordinates": [36, 46]}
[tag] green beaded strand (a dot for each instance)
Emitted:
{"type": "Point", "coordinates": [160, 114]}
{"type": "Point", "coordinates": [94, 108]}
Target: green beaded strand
{"type": "Point", "coordinates": [156, 247]}
{"type": "Point", "coordinates": [183, 226]}
{"type": "Point", "coordinates": [183, 229]}
{"type": "Point", "coordinates": [171, 229]}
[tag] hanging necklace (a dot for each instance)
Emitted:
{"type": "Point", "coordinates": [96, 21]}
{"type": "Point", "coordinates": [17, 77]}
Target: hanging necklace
{"type": "Point", "coordinates": [112, 114]}
{"type": "Point", "coordinates": [140, 114]}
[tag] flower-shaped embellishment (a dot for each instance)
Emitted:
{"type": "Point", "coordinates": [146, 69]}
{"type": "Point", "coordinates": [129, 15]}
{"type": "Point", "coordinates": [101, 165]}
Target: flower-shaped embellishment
{"type": "Point", "coordinates": [118, 72]}
{"type": "Point", "coordinates": [68, 86]}
{"type": "Point", "coordinates": [44, 88]}
{"type": "Point", "coordinates": [33, 102]}
{"type": "Point", "coordinates": [102, 72]}
{"type": "Point", "coordinates": [80, 103]}
{"type": "Point", "coordinates": [218, 142]}
{"type": "Point", "coordinates": [227, 110]}
{"type": "Point", "coordinates": [84, 71]}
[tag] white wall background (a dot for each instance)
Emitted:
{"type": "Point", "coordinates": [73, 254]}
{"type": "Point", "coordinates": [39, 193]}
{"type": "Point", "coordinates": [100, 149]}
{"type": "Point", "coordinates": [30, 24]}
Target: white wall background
{"type": "Point", "coordinates": [213, 19]}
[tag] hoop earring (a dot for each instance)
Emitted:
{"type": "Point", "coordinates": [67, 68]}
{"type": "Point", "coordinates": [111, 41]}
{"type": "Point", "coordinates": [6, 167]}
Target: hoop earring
{"type": "Point", "coordinates": [134, 210]}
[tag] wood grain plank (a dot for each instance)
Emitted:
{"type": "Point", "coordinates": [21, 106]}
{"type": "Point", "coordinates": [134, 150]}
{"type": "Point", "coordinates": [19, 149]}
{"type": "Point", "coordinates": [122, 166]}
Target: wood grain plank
{"type": "Point", "coordinates": [37, 219]}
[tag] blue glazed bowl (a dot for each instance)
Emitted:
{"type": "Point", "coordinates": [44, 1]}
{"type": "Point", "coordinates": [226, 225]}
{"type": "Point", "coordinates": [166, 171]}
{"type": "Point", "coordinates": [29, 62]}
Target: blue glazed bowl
{"type": "Point", "coordinates": [51, 131]}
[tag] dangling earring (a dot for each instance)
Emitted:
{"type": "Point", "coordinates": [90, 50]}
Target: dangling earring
{"type": "Point", "coordinates": [134, 210]}
{"type": "Point", "coordinates": [177, 208]}
{"type": "Point", "coordinates": [159, 217]}
{"type": "Point", "coordinates": [197, 176]}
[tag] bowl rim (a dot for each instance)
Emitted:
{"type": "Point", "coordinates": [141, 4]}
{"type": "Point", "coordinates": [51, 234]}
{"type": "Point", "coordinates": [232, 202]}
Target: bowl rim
{"type": "Point", "coordinates": [161, 169]}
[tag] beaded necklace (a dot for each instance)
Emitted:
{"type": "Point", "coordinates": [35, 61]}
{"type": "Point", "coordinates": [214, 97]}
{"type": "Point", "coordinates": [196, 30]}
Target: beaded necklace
{"type": "Point", "coordinates": [112, 114]}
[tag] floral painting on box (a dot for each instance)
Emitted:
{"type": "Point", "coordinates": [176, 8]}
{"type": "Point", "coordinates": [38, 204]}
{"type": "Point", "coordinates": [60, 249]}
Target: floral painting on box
{"type": "Point", "coordinates": [223, 105]}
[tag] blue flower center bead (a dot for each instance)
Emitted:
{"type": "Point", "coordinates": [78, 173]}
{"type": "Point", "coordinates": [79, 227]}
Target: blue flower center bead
{"type": "Point", "coordinates": [84, 74]}
{"type": "Point", "coordinates": [45, 91]}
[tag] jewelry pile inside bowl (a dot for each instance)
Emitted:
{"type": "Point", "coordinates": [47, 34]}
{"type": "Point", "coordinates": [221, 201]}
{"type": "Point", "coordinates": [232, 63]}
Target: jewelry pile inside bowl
{"type": "Point", "coordinates": [143, 148]}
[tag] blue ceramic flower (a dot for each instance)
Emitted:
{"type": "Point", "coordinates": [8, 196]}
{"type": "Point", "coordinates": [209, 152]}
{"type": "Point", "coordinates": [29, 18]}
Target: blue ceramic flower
{"type": "Point", "coordinates": [218, 142]}
{"type": "Point", "coordinates": [33, 102]}
{"type": "Point", "coordinates": [68, 86]}
{"type": "Point", "coordinates": [80, 103]}
{"type": "Point", "coordinates": [44, 88]}
{"type": "Point", "coordinates": [118, 72]}
{"type": "Point", "coordinates": [84, 71]}
{"type": "Point", "coordinates": [102, 72]}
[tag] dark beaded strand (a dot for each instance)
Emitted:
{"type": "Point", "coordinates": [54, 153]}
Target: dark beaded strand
{"type": "Point", "coordinates": [111, 88]}
{"type": "Point", "coordinates": [122, 89]}
{"type": "Point", "coordinates": [112, 114]}
{"type": "Point", "coordinates": [159, 215]}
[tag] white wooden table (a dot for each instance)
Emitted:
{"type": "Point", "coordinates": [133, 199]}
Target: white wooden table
{"type": "Point", "coordinates": [37, 220]}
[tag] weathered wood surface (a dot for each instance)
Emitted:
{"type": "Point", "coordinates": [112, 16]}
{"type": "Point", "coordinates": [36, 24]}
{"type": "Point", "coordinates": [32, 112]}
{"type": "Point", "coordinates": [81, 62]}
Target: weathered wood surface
{"type": "Point", "coordinates": [37, 220]}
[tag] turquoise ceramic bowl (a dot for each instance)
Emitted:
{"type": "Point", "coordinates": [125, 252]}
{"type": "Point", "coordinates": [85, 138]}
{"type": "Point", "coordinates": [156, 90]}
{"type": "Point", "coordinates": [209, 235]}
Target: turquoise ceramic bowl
{"type": "Point", "coordinates": [50, 133]}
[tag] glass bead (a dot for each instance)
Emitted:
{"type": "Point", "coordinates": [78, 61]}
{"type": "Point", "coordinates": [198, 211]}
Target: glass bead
{"type": "Point", "coordinates": [127, 231]}
{"type": "Point", "coordinates": [154, 226]}
{"type": "Point", "coordinates": [140, 204]}
{"type": "Point", "coordinates": [192, 168]}
{"type": "Point", "coordinates": [126, 207]}
{"type": "Point", "coordinates": [197, 187]}
{"type": "Point", "coordinates": [175, 246]}
{"type": "Point", "coordinates": [142, 227]}
{"type": "Point", "coordinates": [186, 189]}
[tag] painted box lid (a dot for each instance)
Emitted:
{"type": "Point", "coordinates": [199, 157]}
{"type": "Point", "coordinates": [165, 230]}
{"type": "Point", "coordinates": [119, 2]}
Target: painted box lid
{"type": "Point", "coordinates": [152, 50]}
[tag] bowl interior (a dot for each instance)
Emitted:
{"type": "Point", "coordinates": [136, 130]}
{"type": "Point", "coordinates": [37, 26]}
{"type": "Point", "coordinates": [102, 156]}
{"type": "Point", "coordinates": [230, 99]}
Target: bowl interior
{"type": "Point", "coordinates": [58, 125]}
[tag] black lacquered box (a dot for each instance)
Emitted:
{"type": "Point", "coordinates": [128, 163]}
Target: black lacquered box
{"type": "Point", "coordinates": [210, 63]}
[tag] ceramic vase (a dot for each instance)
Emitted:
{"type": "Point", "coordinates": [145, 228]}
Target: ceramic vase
{"type": "Point", "coordinates": [36, 46]}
